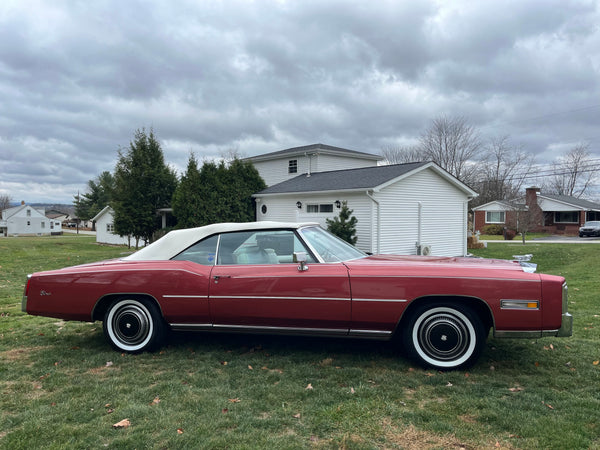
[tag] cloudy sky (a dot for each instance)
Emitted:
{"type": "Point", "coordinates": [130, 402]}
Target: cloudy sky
{"type": "Point", "coordinates": [77, 78]}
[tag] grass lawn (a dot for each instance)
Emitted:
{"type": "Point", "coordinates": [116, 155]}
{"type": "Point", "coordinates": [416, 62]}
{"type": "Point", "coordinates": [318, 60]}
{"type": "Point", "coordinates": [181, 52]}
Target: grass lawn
{"type": "Point", "coordinates": [61, 385]}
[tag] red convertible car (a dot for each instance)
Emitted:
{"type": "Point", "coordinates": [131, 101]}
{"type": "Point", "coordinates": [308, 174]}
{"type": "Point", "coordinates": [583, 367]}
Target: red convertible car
{"type": "Point", "coordinates": [270, 277]}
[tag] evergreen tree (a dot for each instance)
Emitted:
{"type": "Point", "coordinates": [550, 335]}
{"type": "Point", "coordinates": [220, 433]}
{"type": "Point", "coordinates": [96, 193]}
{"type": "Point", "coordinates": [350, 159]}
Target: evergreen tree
{"type": "Point", "coordinates": [216, 193]}
{"type": "Point", "coordinates": [344, 226]}
{"type": "Point", "coordinates": [99, 194]}
{"type": "Point", "coordinates": [143, 184]}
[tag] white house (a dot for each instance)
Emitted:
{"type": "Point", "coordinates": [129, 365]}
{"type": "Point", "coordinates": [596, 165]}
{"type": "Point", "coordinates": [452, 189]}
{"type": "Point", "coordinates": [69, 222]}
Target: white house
{"type": "Point", "coordinates": [283, 165]}
{"type": "Point", "coordinates": [25, 220]}
{"type": "Point", "coordinates": [105, 228]}
{"type": "Point", "coordinates": [415, 208]}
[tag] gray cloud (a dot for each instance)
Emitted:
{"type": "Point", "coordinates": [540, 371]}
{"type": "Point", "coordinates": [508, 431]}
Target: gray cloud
{"type": "Point", "coordinates": [77, 79]}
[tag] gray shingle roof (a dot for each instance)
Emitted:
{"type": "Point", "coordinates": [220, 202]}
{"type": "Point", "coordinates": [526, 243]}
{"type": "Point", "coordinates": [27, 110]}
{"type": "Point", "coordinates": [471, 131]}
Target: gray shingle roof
{"type": "Point", "coordinates": [349, 179]}
{"type": "Point", "coordinates": [313, 148]}
{"type": "Point", "coordinates": [584, 204]}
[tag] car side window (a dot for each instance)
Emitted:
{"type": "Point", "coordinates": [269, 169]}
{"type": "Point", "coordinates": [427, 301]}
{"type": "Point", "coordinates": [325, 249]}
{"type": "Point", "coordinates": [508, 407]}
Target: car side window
{"type": "Point", "coordinates": [260, 247]}
{"type": "Point", "coordinates": [203, 252]}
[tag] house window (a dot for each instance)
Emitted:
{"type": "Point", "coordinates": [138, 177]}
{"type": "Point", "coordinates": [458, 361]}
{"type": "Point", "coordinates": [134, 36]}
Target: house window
{"type": "Point", "coordinates": [494, 217]}
{"type": "Point", "coordinates": [566, 217]}
{"type": "Point", "coordinates": [322, 208]}
{"type": "Point", "coordinates": [110, 228]}
{"type": "Point", "coordinates": [43, 224]}
{"type": "Point", "coordinates": [293, 166]}
{"type": "Point", "coordinates": [28, 223]}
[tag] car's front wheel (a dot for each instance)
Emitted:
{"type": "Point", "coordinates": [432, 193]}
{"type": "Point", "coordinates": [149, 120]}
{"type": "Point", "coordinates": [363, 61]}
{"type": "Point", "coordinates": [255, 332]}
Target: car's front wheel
{"type": "Point", "coordinates": [444, 336]}
{"type": "Point", "coordinates": [133, 325]}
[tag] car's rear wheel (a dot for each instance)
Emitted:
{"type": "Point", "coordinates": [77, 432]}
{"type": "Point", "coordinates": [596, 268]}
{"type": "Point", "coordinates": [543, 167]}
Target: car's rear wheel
{"type": "Point", "coordinates": [133, 325]}
{"type": "Point", "coordinates": [444, 336]}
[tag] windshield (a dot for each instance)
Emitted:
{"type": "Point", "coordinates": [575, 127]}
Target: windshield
{"type": "Point", "coordinates": [329, 247]}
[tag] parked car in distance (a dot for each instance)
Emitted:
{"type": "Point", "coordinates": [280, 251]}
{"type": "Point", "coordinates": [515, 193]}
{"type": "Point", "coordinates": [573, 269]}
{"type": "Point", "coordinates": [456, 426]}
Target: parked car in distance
{"type": "Point", "coordinates": [590, 229]}
{"type": "Point", "coordinates": [270, 277]}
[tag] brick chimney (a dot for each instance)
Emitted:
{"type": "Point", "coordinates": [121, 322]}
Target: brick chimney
{"type": "Point", "coordinates": [531, 194]}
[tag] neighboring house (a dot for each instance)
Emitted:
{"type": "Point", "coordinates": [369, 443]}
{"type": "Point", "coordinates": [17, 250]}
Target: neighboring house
{"type": "Point", "coordinates": [283, 165]}
{"type": "Point", "coordinates": [58, 216]}
{"type": "Point", "coordinates": [105, 228]}
{"type": "Point", "coordinates": [25, 220]}
{"type": "Point", "coordinates": [557, 214]}
{"type": "Point", "coordinates": [405, 208]}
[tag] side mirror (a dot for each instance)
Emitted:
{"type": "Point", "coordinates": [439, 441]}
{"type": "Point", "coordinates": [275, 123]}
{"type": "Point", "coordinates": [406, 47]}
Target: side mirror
{"type": "Point", "coordinates": [300, 257]}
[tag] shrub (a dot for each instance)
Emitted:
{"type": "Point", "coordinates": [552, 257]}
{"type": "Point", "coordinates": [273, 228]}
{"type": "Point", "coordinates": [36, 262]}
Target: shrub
{"type": "Point", "coordinates": [493, 230]}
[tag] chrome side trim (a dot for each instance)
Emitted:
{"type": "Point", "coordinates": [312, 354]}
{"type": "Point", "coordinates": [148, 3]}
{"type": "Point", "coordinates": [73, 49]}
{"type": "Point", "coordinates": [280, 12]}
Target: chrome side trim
{"type": "Point", "coordinates": [185, 296]}
{"type": "Point", "coordinates": [375, 334]}
{"type": "Point", "coordinates": [261, 297]}
{"type": "Point", "coordinates": [191, 326]}
{"type": "Point", "coordinates": [260, 329]}
{"type": "Point", "coordinates": [379, 300]}
{"type": "Point", "coordinates": [286, 330]}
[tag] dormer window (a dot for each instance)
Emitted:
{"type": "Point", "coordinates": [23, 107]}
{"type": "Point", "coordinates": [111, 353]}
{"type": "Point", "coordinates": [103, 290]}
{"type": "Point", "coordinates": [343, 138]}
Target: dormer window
{"type": "Point", "coordinates": [28, 213]}
{"type": "Point", "coordinates": [293, 166]}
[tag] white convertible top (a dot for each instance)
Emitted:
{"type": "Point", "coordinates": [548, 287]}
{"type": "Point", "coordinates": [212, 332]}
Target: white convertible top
{"type": "Point", "coordinates": [176, 241]}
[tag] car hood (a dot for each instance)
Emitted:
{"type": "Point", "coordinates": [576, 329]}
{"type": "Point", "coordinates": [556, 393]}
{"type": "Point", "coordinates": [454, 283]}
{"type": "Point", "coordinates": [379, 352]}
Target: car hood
{"type": "Point", "coordinates": [441, 262]}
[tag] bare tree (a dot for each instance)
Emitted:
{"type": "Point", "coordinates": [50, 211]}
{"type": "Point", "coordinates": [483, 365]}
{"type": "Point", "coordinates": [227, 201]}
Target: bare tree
{"type": "Point", "coordinates": [503, 170]}
{"type": "Point", "coordinates": [574, 172]}
{"type": "Point", "coordinates": [402, 154]}
{"type": "Point", "coordinates": [454, 145]}
{"type": "Point", "coordinates": [524, 218]}
{"type": "Point", "coordinates": [4, 201]}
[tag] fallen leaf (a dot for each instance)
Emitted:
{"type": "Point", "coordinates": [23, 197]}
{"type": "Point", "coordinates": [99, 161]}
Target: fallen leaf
{"type": "Point", "coordinates": [352, 390]}
{"type": "Point", "coordinates": [516, 389]}
{"type": "Point", "coordinates": [449, 384]}
{"type": "Point", "coordinates": [224, 410]}
{"type": "Point", "coordinates": [537, 364]}
{"type": "Point", "coordinates": [109, 363]}
{"type": "Point", "coordinates": [309, 387]}
{"type": "Point", "coordinates": [156, 401]}
{"type": "Point", "coordinates": [223, 363]}
{"type": "Point", "coordinates": [250, 367]}
{"type": "Point", "coordinates": [429, 374]}
{"type": "Point", "coordinates": [108, 405]}
{"type": "Point", "coordinates": [179, 430]}
{"type": "Point", "coordinates": [595, 363]}
{"type": "Point", "coordinates": [467, 374]}
{"type": "Point", "coordinates": [296, 416]}
{"type": "Point", "coordinates": [234, 400]}
{"type": "Point", "coordinates": [122, 424]}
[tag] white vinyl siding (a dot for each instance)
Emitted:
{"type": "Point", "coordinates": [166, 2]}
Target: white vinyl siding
{"type": "Point", "coordinates": [278, 170]}
{"type": "Point", "coordinates": [325, 163]}
{"type": "Point", "coordinates": [283, 208]}
{"type": "Point", "coordinates": [442, 209]}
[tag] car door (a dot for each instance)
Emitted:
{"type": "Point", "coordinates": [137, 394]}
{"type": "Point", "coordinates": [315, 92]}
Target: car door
{"type": "Point", "coordinates": [257, 286]}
